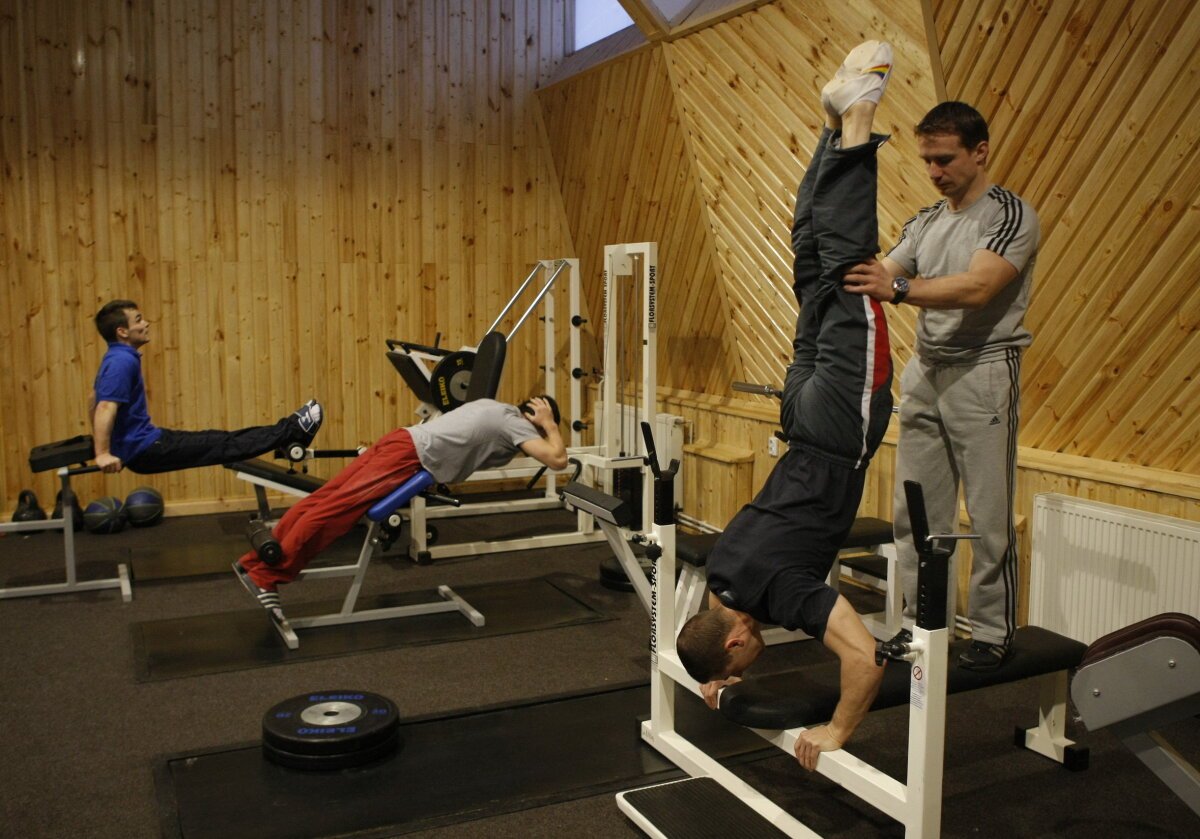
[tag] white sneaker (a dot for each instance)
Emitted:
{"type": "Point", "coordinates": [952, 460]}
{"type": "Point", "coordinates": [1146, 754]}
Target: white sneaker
{"type": "Point", "coordinates": [863, 75]}
{"type": "Point", "coordinates": [309, 418]}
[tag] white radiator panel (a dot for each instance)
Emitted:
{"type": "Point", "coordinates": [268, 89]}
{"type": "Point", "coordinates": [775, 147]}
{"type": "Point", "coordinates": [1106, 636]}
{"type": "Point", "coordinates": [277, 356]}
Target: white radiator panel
{"type": "Point", "coordinates": [1098, 567]}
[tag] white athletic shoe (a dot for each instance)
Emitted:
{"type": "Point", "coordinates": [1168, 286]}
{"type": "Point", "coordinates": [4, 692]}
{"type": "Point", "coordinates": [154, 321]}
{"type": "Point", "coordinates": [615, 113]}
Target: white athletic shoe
{"type": "Point", "coordinates": [863, 75]}
{"type": "Point", "coordinates": [309, 417]}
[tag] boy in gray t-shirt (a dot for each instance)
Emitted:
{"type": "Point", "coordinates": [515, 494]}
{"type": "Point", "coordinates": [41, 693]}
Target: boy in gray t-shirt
{"type": "Point", "coordinates": [967, 262]}
{"type": "Point", "coordinates": [480, 434]}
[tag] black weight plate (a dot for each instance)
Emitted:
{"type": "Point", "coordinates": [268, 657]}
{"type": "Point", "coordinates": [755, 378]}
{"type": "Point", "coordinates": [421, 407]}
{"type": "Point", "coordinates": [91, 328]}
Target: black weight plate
{"type": "Point", "coordinates": [330, 722]}
{"type": "Point", "coordinates": [450, 378]}
{"type": "Point", "coordinates": [346, 760]}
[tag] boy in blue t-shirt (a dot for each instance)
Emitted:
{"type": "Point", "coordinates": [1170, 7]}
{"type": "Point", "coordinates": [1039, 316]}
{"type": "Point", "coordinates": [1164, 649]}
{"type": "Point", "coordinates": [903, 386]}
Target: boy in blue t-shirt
{"type": "Point", "coordinates": [123, 434]}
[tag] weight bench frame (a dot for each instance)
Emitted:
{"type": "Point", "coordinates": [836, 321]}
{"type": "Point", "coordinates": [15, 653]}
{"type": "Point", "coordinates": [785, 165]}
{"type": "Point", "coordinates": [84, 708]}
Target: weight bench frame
{"type": "Point", "coordinates": [377, 515]}
{"type": "Point", "coordinates": [917, 804]}
{"type": "Point", "coordinates": [1138, 679]}
{"type": "Point", "coordinates": [43, 458]}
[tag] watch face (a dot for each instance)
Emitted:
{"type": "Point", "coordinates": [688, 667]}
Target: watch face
{"type": "Point", "coordinates": [900, 284]}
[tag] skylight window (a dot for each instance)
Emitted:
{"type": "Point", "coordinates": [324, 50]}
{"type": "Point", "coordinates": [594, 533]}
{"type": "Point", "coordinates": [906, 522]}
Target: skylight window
{"type": "Point", "coordinates": [596, 19]}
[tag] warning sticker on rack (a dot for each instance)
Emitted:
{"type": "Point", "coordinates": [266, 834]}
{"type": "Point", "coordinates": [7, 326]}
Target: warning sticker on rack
{"type": "Point", "coordinates": [916, 687]}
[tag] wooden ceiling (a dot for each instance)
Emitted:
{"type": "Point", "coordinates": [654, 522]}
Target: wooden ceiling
{"type": "Point", "coordinates": [1094, 120]}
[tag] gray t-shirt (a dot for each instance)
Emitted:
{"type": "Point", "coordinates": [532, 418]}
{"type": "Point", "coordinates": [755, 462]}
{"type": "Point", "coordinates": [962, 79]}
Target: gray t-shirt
{"type": "Point", "coordinates": [939, 241]}
{"type": "Point", "coordinates": [478, 435]}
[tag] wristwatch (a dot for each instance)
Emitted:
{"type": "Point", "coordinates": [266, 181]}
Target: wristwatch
{"type": "Point", "coordinates": [899, 290]}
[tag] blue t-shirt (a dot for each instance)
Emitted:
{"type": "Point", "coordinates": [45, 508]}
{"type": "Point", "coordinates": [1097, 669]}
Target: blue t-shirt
{"type": "Point", "coordinates": [120, 380]}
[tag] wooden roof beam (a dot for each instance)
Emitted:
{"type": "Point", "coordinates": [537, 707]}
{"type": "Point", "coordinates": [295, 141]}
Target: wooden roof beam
{"type": "Point", "coordinates": [647, 18]}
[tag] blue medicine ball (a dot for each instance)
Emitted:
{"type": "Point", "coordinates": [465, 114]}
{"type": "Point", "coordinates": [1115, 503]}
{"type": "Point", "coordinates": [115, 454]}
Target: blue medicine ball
{"type": "Point", "coordinates": [105, 515]}
{"type": "Point", "coordinates": [144, 507]}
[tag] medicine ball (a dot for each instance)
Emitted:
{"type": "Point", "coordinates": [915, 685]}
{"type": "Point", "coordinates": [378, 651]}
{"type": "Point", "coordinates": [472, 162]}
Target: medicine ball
{"type": "Point", "coordinates": [105, 515]}
{"type": "Point", "coordinates": [144, 507]}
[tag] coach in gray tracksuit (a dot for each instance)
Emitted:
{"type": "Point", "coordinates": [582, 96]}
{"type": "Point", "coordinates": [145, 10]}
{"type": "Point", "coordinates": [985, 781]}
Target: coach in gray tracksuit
{"type": "Point", "coordinates": [967, 262]}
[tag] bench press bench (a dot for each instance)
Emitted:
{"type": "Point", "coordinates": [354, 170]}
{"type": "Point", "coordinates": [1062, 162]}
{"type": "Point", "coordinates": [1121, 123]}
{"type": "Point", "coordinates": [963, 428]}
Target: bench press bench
{"type": "Point", "coordinates": [716, 799]}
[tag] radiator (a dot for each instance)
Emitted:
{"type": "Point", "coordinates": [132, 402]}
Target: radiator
{"type": "Point", "coordinates": [1098, 567]}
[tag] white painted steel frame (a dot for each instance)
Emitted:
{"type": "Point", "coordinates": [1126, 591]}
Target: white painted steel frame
{"type": "Point", "coordinates": [67, 525]}
{"type": "Point", "coordinates": [618, 264]}
{"type": "Point", "coordinates": [917, 805]}
{"type": "Point", "coordinates": [449, 602]}
{"type": "Point", "coordinates": [418, 513]}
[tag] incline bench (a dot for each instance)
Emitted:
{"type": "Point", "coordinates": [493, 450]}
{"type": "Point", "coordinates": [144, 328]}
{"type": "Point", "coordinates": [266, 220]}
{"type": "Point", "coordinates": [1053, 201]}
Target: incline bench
{"type": "Point", "coordinates": [485, 381]}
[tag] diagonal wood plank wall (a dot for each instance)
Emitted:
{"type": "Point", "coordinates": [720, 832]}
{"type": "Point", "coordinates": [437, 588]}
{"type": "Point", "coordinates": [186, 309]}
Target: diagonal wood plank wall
{"type": "Point", "coordinates": [1099, 133]}
{"type": "Point", "coordinates": [1094, 120]}
{"type": "Point", "coordinates": [282, 186]}
{"type": "Point", "coordinates": [619, 151]}
{"type": "Point", "coordinates": [1102, 135]}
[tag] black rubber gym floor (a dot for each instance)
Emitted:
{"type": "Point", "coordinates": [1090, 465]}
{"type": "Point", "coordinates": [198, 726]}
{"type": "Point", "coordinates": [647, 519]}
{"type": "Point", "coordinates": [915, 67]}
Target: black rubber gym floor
{"type": "Point", "coordinates": [83, 738]}
{"type": "Point", "coordinates": [449, 769]}
{"type": "Point", "coordinates": [178, 648]}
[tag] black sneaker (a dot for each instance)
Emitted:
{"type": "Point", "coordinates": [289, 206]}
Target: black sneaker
{"type": "Point", "coordinates": [904, 636]}
{"type": "Point", "coordinates": [982, 656]}
{"type": "Point", "coordinates": [268, 598]}
{"type": "Point", "coordinates": [308, 418]}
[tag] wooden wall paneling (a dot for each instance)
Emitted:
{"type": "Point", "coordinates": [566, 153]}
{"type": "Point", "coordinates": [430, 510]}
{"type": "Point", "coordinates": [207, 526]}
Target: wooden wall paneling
{"type": "Point", "coordinates": [1103, 377]}
{"type": "Point", "coordinates": [718, 479]}
{"type": "Point", "coordinates": [623, 116]}
{"type": "Point", "coordinates": [1140, 166]}
{"type": "Point", "coordinates": [1052, 166]}
{"type": "Point", "coordinates": [1183, 445]}
{"type": "Point", "coordinates": [1151, 421]}
{"type": "Point", "coordinates": [961, 30]}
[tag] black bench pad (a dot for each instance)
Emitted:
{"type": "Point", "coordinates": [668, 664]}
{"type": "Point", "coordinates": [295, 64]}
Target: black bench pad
{"type": "Point", "coordinates": [694, 548]}
{"type": "Point", "coordinates": [868, 532]}
{"type": "Point", "coordinates": [809, 696]}
{"type": "Point", "coordinates": [270, 472]}
{"type": "Point", "coordinates": [1174, 624]}
{"type": "Point", "coordinates": [874, 566]}
{"type": "Point", "coordinates": [865, 533]}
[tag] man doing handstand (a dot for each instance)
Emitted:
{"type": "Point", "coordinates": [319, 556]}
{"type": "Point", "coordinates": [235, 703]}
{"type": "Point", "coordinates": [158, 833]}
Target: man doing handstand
{"type": "Point", "coordinates": [771, 562]}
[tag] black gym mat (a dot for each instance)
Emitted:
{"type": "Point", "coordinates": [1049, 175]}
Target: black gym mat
{"type": "Point", "coordinates": [449, 769]}
{"type": "Point", "coordinates": [177, 648]}
{"type": "Point", "coordinates": [186, 559]}
{"type": "Point", "coordinates": [32, 569]}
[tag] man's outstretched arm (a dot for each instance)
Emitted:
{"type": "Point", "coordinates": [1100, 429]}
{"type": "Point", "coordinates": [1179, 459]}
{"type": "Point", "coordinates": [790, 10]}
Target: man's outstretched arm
{"type": "Point", "coordinates": [848, 638]}
{"type": "Point", "coordinates": [104, 418]}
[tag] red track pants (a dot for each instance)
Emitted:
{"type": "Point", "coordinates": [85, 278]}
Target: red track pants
{"type": "Point", "coordinates": [312, 525]}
